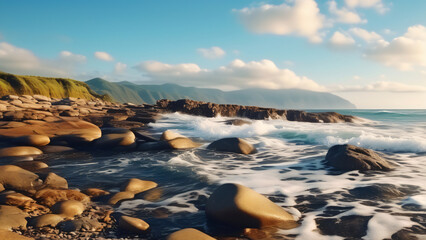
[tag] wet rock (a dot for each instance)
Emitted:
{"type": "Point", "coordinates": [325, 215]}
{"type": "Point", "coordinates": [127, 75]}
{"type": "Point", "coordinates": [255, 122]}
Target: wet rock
{"type": "Point", "coordinates": [120, 196]}
{"type": "Point", "coordinates": [68, 208]}
{"type": "Point", "coordinates": [170, 135]}
{"type": "Point", "coordinates": [377, 192]}
{"type": "Point", "coordinates": [237, 122]}
{"type": "Point", "coordinates": [55, 181]}
{"type": "Point", "coordinates": [352, 226]}
{"type": "Point", "coordinates": [95, 192]}
{"type": "Point", "coordinates": [115, 137]}
{"type": "Point", "coordinates": [240, 206]}
{"type": "Point", "coordinates": [12, 218]}
{"type": "Point", "coordinates": [56, 149]}
{"type": "Point", "coordinates": [131, 224]}
{"type": "Point", "coordinates": [16, 199]}
{"type": "Point", "coordinates": [182, 143]}
{"type": "Point", "coordinates": [136, 186]}
{"type": "Point", "coordinates": [19, 151]}
{"type": "Point", "coordinates": [236, 145]}
{"type": "Point", "coordinates": [189, 233]}
{"type": "Point", "coordinates": [32, 140]}
{"type": "Point", "coordinates": [49, 197]}
{"type": "Point", "coordinates": [8, 235]}
{"type": "Point", "coordinates": [349, 157]}
{"type": "Point", "coordinates": [154, 146]}
{"type": "Point", "coordinates": [16, 178]}
{"type": "Point", "coordinates": [32, 166]}
{"type": "Point", "coordinates": [46, 220]}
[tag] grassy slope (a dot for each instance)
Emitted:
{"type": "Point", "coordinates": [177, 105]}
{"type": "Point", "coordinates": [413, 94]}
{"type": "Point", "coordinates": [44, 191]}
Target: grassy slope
{"type": "Point", "coordinates": [51, 87]}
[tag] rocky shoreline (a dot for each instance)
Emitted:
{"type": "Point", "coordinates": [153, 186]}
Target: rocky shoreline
{"type": "Point", "coordinates": [36, 203]}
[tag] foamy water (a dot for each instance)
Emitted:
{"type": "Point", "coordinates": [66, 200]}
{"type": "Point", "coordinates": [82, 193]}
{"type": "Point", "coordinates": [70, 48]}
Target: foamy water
{"type": "Point", "coordinates": [288, 168]}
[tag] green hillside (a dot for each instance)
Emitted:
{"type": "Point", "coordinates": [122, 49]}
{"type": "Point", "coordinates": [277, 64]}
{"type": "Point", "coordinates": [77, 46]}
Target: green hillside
{"type": "Point", "coordinates": [51, 87]}
{"type": "Point", "coordinates": [282, 98]}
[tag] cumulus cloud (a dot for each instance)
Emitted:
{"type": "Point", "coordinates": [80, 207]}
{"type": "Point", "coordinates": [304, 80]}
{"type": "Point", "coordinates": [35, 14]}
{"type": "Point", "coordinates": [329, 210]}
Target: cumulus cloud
{"type": "Point", "coordinates": [236, 75]}
{"type": "Point", "coordinates": [341, 40]}
{"type": "Point", "coordinates": [382, 86]}
{"type": "Point", "coordinates": [120, 68]}
{"type": "Point", "coordinates": [22, 61]}
{"type": "Point", "coordinates": [344, 15]}
{"type": "Point", "coordinates": [303, 18]}
{"type": "Point", "coordinates": [104, 56]}
{"type": "Point", "coordinates": [377, 4]}
{"type": "Point", "coordinates": [211, 53]}
{"type": "Point", "coordinates": [365, 35]}
{"type": "Point", "coordinates": [406, 52]}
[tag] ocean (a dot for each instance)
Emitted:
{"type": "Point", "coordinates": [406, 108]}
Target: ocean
{"type": "Point", "coordinates": [288, 168]}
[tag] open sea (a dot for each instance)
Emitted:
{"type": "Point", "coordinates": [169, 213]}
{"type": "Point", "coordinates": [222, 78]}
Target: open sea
{"type": "Point", "coordinates": [288, 168]}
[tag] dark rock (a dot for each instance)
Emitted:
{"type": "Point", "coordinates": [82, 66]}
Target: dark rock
{"type": "Point", "coordinates": [237, 122]}
{"type": "Point", "coordinates": [154, 146]}
{"type": "Point", "coordinates": [199, 108]}
{"type": "Point", "coordinates": [349, 157]}
{"type": "Point", "coordinates": [377, 192]}
{"type": "Point", "coordinates": [352, 226]}
{"type": "Point", "coordinates": [236, 145]}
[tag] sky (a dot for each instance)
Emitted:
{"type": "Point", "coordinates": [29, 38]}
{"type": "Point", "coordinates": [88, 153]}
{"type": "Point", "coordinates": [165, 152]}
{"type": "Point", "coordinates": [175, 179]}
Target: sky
{"type": "Point", "coordinates": [370, 52]}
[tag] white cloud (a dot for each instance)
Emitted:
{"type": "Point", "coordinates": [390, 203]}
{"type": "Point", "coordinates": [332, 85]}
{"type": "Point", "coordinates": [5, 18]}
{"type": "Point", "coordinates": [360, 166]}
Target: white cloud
{"type": "Point", "coordinates": [377, 4]}
{"type": "Point", "coordinates": [341, 40]}
{"type": "Point", "coordinates": [366, 35]}
{"type": "Point", "coordinates": [22, 61]}
{"type": "Point", "coordinates": [104, 56]}
{"type": "Point", "coordinates": [120, 68]}
{"type": "Point", "coordinates": [211, 53]}
{"type": "Point", "coordinates": [236, 75]}
{"type": "Point", "coordinates": [382, 86]}
{"type": "Point", "coordinates": [406, 52]}
{"type": "Point", "coordinates": [344, 15]}
{"type": "Point", "coordinates": [303, 18]}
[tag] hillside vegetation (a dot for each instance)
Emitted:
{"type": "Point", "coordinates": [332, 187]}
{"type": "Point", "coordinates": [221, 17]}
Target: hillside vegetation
{"type": "Point", "coordinates": [280, 98]}
{"type": "Point", "coordinates": [51, 87]}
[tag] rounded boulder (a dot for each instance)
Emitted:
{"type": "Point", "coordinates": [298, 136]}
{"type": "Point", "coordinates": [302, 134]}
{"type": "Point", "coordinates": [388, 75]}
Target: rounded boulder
{"type": "Point", "coordinates": [189, 233]}
{"type": "Point", "coordinates": [131, 224]}
{"type": "Point", "coordinates": [236, 145]}
{"type": "Point", "coordinates": [32, 140]}
{"type": "Point", "coordinates": [19, 151]}
{"type": "Point", "coordinates": [68, 208]}
{"type": "Point", "coordinates": [16, 178]}
{"type": "Point", "coordinates": [136, 186]}
{"type": "Point", "coordinates": [240, 206]}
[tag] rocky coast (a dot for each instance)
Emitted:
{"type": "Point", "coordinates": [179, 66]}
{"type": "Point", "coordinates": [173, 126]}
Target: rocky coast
{"type": "Point", "coordinates": [37, 203]}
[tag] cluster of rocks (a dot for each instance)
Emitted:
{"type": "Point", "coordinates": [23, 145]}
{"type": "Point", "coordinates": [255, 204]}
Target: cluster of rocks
{"type": "Point", "coordinates": [35, 202]}
{"type": "Point", "coordinates": [208, 109]}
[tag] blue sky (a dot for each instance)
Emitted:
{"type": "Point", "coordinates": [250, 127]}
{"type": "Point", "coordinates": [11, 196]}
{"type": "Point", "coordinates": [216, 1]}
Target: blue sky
{"type": "Point", "coordinates": [372, 52]}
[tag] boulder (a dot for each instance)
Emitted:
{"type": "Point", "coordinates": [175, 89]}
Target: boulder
{"type": "Point", "coordinates": [12, 218]}
{"type": "Point", "coordinates": [55, 181]}
{"type": "Point", "coordinates": [8, 235]}
{"type": "Point", "coordinates": [349, 157]}
{"type": "Point", "coordinates": [32, 140]}
{"type": "Point", "coordinates": [56, 149]}
{"type": "Point", "coordinates": [16, 199]}
{"type": "Point", "coordinates": [237, 122]}
{"type": "Point", "coordinates": [115, 137]}
{"type": "Point", "coordinates": [120, 196]}
{"type": "Point", "coordinates": [19, 151]}
{"type": "Point", "coordinates": [47, 220]}
{"type": "Point", "coordinates": [236, 145]}
{"type": "Point", "coordinates": [41, 98]}
{"type": "Point", "coordinates": [49, 197]}
{"type": "Point", "coordinates": [170, 135]}
{"type": "Point", "coordinates": [182, 143]}
{"type": "Point", "coordinates": [95, 192]}
{"type": "Point", "coordinates": [32, 166]}
{"type": "Point", "coordinates": [68, 208]}
{"type": "Point", "coordinates": [131, 224]}
{"type": "Point", "coordinates": [189, 233]}
{"type": "Point", "coordinates": [240, 206]}
{"type": "Point", "coordinates": [136, 186]}
{"type": "Point", "coordinates": [16, 178]}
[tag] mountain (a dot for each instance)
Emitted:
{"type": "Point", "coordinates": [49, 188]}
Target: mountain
{"type": "Point", "coordinates": [282, 98]}
{"type": "Point", "coordinates": [51, 87]}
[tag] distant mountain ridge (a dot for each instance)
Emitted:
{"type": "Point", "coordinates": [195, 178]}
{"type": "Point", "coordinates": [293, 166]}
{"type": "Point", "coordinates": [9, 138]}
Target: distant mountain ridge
{"type": "Point", "coordinates": [281, 98]}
